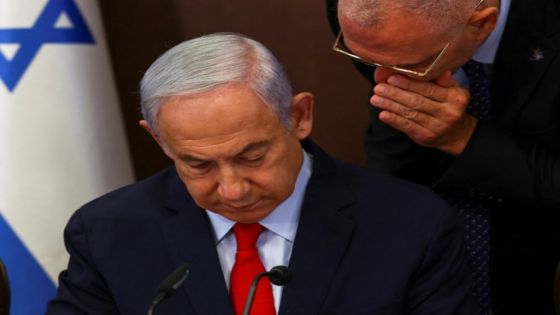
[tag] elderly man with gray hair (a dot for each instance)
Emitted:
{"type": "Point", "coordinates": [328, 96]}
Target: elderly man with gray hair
{"type": "Point", "coordinates": [249, 191]}
{"type": "Point", "coordinates": [466, 100]}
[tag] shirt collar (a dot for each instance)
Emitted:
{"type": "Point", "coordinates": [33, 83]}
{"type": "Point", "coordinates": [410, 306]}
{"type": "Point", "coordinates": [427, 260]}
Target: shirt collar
{"type": "Point", "coordinates": [487, 51]}
{"type": "Point", "coordinates": [283, 220]}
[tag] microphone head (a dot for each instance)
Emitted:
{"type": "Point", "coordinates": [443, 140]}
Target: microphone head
{"type": "Point", "coordinates": [174, 280]}
{"type": "Point", "coordinates": [280, 275]}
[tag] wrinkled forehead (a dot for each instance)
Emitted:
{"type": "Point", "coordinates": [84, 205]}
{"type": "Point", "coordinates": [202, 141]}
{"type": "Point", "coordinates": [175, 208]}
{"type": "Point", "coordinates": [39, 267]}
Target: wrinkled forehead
{"type": "Point", "coordinates": [400, 38]}
{"type": "Point", "coordinates": [222, 111]}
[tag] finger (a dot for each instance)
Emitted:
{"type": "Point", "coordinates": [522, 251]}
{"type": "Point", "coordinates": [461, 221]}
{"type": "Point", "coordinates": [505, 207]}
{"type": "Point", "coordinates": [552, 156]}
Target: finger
{"type": "Point", "coordinates": [394, 107]}
{"type": "Point", "coordinates": [406, 98]}
{"type": "Point", "coordinates": [414, 131]}
{"type": "Point", "coordinates": [426, 121]}
{"type": "Point", "coordinates": [425, 88]}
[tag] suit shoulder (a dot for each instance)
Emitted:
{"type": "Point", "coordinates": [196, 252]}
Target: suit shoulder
{"type": "Point", "coordinates": [363, 178]}
{"type": "Point", "coordinates": [374, 191]}
{"type": "Point", "coordinates": [131, 199]}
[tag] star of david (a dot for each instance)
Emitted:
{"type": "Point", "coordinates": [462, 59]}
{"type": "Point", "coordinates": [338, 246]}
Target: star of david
{"type": "Point", "coordinates": [44, 31]}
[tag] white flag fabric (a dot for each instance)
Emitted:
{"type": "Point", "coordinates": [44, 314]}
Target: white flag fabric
{"type": "Point", "coordinates": [62, 141]}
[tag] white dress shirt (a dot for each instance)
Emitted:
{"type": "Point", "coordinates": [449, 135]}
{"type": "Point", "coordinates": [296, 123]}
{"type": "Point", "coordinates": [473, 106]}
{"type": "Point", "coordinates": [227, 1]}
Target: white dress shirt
{"type": "Point", "coordinates": [276, 241]}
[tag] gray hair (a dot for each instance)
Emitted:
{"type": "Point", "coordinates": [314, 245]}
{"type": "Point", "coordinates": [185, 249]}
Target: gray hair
{"type": "Point", "coordinates": [443, 16]}
{"type": "Point", "coordinates": [202, 64]}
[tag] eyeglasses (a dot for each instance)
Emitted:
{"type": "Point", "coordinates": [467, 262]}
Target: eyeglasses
{"type": "Point", "coordinates": [341, 48]}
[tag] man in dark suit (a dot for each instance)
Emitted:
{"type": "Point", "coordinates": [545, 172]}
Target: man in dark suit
{"type": "Point", "coordinates": [493, 152]}
{"type": "Point", "coordinates": [221, 107]}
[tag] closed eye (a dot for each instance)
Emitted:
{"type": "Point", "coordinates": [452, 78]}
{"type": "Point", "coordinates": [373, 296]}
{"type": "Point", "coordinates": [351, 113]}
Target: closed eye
{"type": "Point", "coordinates": [252, 160]}
{"type": "Point", "coordinates": [202, 166]}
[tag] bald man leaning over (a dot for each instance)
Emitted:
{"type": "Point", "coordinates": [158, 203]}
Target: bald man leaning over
{"type": "Point", "coordinates": [467, 101]}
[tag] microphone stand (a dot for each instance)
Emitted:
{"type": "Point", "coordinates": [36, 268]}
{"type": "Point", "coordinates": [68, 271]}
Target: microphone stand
{"type": "Point", "coordinates": [168, 287]}
{"type": "Point", "coordinates": [252, 291]}
{"type": "Point", "coordinates": [155, 303]}
{"type": "Point", "coordinates": [279, 275]}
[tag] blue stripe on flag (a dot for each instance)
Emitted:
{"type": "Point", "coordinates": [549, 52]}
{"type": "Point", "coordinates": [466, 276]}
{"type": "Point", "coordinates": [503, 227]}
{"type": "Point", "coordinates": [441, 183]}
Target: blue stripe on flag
{"type": "Point", "coordinates": [30, 285]}
{"type": "Point", "coordinates": [44, 31]}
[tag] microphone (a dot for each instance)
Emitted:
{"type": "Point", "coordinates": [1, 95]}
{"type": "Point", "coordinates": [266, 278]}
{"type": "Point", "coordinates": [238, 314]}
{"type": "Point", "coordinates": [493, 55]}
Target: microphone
{"type": "Point", "coordinates": [279, 275]}
{"type": "Point", "coordinates": [168, 287]}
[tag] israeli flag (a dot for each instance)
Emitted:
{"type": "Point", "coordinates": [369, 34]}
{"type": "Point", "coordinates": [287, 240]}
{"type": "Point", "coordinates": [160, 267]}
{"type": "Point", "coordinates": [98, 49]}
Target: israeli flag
{"type": "Point", "coordinates": [62, 141]}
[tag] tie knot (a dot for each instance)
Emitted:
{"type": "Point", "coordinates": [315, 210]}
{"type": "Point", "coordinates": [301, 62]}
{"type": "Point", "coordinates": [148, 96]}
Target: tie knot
{"type": "Point", "coordinates": [247, 235]}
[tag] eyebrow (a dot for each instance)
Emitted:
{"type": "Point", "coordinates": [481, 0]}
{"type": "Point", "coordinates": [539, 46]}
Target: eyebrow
{"type": "Point", "coordinates": [247, 148]}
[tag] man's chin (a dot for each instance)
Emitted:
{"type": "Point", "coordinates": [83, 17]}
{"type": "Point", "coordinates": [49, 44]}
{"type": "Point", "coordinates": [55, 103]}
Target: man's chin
{"type": "Point", "coordinates": [248, 218]}
{"type": "Point", "coordinates": [246, 214]}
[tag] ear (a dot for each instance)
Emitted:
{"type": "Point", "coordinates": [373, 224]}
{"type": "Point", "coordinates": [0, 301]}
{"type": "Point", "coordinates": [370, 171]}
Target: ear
{"type": "Point", "coordinates": [155, 136]}
{"type": "Point", "coordinates": [302, 114]}
{"type": "Point", "coordinates": [484, 21]}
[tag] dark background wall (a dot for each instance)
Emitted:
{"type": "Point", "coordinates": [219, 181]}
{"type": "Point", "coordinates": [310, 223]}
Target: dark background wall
{"type": "Point", "coordinates": [297, 32]}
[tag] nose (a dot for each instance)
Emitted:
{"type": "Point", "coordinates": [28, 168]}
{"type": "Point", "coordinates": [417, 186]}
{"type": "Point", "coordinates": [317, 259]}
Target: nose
{"type": "Point", "coordinates": [381, 74]}
{"type": "Point", "coordinates": [232, 186]}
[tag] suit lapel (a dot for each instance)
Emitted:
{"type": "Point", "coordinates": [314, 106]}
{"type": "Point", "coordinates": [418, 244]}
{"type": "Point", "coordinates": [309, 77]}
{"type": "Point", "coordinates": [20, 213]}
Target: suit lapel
{"type": "Point", "coordinates": [322, 238]}
{"type": "Point", "coordinates": [189, 239]}
{"type": "Point", "coordinates": [518, 68]}
{"type": "Point", "coordinates": [323, 235]}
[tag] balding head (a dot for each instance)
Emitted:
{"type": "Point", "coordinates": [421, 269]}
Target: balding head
{"type": "Point", "coordinates": [442, 15]}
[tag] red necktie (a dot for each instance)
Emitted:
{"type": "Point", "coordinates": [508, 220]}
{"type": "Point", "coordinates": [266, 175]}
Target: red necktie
{"type": "Point", "coordinates": [247, 266]}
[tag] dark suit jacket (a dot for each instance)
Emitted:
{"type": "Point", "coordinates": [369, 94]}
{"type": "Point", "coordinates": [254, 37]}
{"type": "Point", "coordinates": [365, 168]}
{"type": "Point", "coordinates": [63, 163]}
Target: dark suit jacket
{"type": "Point", "coordinates": [366, 244]}
{"type": "Point", "coordinates": [514, 160]}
